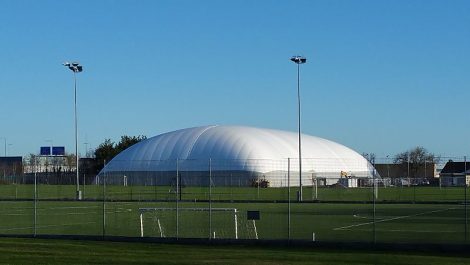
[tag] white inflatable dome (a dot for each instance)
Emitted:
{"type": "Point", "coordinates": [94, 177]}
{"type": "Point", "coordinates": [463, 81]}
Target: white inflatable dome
{"type": "Point", "coordinates": [250, 152]}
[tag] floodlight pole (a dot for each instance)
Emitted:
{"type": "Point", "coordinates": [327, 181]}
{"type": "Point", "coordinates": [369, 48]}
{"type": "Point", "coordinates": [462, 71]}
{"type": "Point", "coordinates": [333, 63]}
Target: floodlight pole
{"type": "Point", "coordinates": [86, 149]}
{"type": "Point", "coordinates": [299, 60]}
{"type": "Point", "coordinates": [78, 195]}
{"type": "Point", "coordinates": [76, 68]}
{"type": "Point", "coordinates": [50, 154]}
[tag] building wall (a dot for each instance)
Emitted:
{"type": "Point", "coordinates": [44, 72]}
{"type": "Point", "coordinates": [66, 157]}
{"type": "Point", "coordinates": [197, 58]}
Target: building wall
{"type": "Point", "coordinates": [449, 180]}
{"type": "Point", "coordinates": [401, 170]}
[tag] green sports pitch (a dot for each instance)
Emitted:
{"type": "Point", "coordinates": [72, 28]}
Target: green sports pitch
{"type": "Point", "coordinates": [401, 214]}
{"type": "Point", "coordinates": [41, 251]}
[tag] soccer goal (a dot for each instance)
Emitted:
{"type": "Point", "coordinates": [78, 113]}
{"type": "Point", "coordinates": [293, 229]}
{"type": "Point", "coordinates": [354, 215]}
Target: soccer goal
{"type": "Point", "coordinates": [229, 215]}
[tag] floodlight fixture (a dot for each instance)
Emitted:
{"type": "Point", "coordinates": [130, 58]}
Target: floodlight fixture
{"type": "Point", "coordinates": [298, 59]}
{"type": "Point", "coordinates": [74, 66]}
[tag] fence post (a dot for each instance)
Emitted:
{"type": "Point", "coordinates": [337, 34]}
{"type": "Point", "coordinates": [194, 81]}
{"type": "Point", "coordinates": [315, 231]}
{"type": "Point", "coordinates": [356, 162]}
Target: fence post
{"type": "Point", "coordinates": [104, 200]}
{"type": "Point", "coordinates": [210, 198]}
{"type": "Point", "coordinates": [288, 199]}
{"type": "Point", "coordinates": [176, 199]}
{"type": "Point", "coordinates": [154, 181]}
{"type": "Point", "coordinates": [374, 186]}
{"type": "Point", "coordinates": [465, 202]}
{"type": "Point", "coordinates": [83, 194]}
{"type": "Point", "coordinates": [35, 203]}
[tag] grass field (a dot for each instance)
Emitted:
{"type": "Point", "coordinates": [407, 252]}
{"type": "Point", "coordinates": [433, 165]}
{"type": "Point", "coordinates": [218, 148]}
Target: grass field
{"type": "Point", "coordinates": [39, 251]}
{"type": "Point", "coordinates": [139, 193]}
{"type": "Point", "coordinates": [402, 215]}
{"type": "Point", "coordinates": [346, 217]}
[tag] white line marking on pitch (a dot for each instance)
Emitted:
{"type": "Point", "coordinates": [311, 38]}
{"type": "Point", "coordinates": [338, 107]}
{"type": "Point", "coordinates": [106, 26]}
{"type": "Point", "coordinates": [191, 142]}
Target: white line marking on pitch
{"type": "Point", "coordinates": [55, 214]}
{"type": "Point", "coordinates": [60, 214]}
{"type": "Point", "coordinates": [43, 226]}
{"type": "Point", "coordinates": [392, 219]}
{"type": "Point", "coordinates": [71, 207]}
{"type": "Point", "coordinates": [410, 231]}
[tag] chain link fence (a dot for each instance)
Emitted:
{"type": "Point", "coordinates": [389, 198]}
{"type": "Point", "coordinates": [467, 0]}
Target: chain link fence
{"type": "Point", "coordinates": [221, 199]}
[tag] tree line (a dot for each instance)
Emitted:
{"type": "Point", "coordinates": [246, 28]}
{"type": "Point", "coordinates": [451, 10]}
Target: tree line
{"type": "Point", "coordinates": [412, 159]}
{"type": "Point", "coordinates": [108, 149]}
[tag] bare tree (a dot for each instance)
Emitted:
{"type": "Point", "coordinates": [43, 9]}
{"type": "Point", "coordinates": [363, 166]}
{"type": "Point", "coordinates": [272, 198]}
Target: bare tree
{"type": "Point", "coordinates": [415, 158]}
{"type": "Point", "coordinates": [70, 162]}
{"type": "Point", "coordinates": [32, 162]}
{"type": "Point", "coordinates": [369, 157]}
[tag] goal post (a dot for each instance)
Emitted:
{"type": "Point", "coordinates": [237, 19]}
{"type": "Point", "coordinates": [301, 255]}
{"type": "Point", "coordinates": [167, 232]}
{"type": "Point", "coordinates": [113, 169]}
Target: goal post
{"type": "Point", "coordinates": [159, 210]}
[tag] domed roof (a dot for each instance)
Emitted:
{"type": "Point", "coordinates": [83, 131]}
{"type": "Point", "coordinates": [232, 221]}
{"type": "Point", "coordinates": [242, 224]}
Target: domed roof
{"type": "Point", "coordinates": [240, 144]}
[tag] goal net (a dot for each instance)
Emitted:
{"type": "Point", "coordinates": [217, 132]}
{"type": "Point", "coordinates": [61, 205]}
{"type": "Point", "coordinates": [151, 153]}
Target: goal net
{"type": "Point", "coordinates": [190, 222]}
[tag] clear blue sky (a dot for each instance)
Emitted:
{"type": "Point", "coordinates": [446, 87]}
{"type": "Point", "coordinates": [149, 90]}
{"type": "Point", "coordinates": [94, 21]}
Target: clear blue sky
{"type": "Point", "coordinates": [381, 76]}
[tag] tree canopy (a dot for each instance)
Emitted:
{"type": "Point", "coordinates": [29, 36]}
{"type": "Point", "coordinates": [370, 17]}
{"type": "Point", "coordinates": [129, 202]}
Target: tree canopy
{"type": "Point", "coordinates": [107, 150]}
{"type": "Point", "coordinates": [417, 155]}
{"type": "Point", "coordinates": [415, 158]}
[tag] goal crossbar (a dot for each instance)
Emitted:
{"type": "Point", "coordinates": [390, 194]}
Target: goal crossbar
{"type": "Point", "coordinates": [189, 209]}
{"type": "Point", "coordinates": [153, 209]}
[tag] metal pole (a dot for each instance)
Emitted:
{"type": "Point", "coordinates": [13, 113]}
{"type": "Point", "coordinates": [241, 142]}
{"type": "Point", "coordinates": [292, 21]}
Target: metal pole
{"type": "Point", "coordinates": [176, 199]}
{"type": "Point", "coordinates": [47, 156]}
{"type": "Point", "coordinates": [104, 199]}
{"type": "Point", "coordinates": [155, 187]}
{"type": "Point", "coordinates": [141, 224]}
{"type": "Point", "coordinates": [313, 188]}
{"type": "Point", "coordinates": [388, 168]}
{"type": "Point", "coordinates": [300, 139]}
{"type": "Point", "coordinates": [373, 200]}
{"type": "Point", "coordinates": [316, 187]}
{"type": "Point", "coordinates": [465, 203]}
{"type": "Point", "coordinates": [84, 178]}
{"type": "Point", "coordinates": [409, 179]}
{"type": "Point", "coordinates": [78, 194]}
{"type": "Point", "coordinates": [236, 224]}
{"type": "Point", "coordinates": [210, 197]}
{"type": "Point", "coordinates": [35, 202]}
{"type": "Point", "coordinates": [288, 198]}
{"type": "Point", "coordinates": [376, 184]}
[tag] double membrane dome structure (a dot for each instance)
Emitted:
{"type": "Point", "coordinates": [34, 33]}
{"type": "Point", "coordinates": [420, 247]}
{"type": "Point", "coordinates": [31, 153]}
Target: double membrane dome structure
{"type": "Point", "coordinates": [235, 155]}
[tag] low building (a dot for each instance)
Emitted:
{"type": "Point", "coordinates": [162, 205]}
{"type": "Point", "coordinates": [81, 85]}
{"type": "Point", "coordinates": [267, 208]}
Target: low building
{"type": "Point", "coordinates": [11, 166]}
{"type": "Point", "coordinates": [455, 174]}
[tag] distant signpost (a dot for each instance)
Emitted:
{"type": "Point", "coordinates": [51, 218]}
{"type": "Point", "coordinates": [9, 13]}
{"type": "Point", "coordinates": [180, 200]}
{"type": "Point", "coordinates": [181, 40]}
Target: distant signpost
{"type": "Point", "coordinates": [58, 151]}
{"type": "Point", "coordinates": [45, 151]}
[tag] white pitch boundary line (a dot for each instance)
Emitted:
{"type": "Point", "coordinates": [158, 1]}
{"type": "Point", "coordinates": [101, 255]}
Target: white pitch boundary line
{"type": "Point", "coordinates": [120, 210]}
{"type": "Point", "coordinates": [54, 208]}
{"type": "Point", "coordinates": [410, 231]}
{"type": "Point", "coordinates": [53, 214]}
{"type": "Point", "coordinates": [393, 218]}
{"type": "Point", "coordinates": [44, 226]}
{"type": "Point", "coordinates": [71, 207]}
